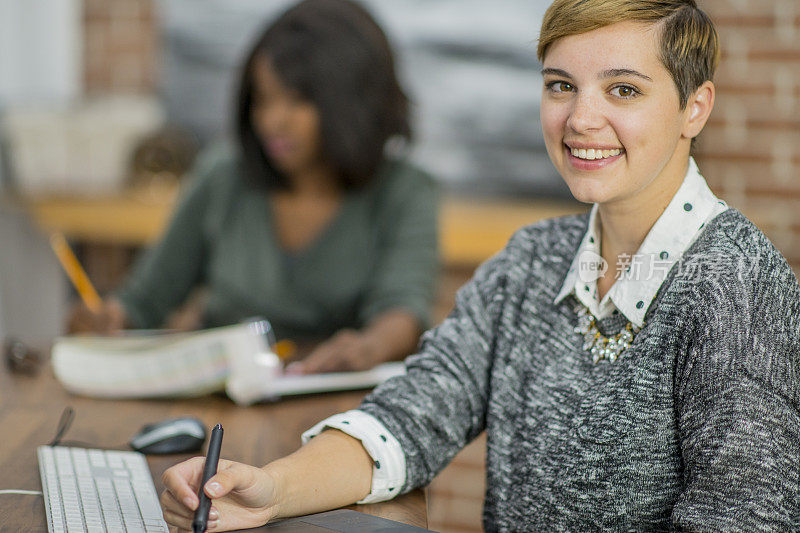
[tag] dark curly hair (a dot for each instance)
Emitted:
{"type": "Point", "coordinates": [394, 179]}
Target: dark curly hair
{"type": "Point", "coordinates": [334, 54]}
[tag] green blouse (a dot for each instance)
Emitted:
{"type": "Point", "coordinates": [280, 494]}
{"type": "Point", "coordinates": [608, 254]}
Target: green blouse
{"type": "Point", "coordinates": [379, 252]}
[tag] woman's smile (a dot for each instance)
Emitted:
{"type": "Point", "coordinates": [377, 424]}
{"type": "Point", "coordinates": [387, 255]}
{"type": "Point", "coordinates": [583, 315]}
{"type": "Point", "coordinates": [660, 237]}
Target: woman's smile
{"type": "Point", "coordinates": [582, 156]}
{"type": "Point", "coordinates": [280, 147]}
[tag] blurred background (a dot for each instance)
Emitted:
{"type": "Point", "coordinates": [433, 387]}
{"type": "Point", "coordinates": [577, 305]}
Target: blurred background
{"type": "Point", "coordinates": [105, 103]}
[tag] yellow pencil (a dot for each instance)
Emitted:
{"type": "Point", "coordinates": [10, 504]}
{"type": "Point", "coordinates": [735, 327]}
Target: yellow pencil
{"type": "Point", "coordinates": [76, 272]}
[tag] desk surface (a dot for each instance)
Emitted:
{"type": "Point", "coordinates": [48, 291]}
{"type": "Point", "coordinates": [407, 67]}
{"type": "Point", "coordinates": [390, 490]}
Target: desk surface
{"type": "Point", "coordinates": [30, 408]}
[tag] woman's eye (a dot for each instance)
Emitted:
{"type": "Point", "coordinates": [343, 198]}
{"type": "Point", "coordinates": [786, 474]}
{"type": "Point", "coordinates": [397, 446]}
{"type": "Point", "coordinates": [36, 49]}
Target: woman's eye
{"type": "Point", "coordinates": [560, 87]}
{"type": "Point", "coordinates": [624, 91]}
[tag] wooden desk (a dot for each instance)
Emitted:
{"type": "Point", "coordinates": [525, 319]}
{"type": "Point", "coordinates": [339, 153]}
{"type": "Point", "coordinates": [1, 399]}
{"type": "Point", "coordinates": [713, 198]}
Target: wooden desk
{"type": "Point", "coordinates": [30, 408]}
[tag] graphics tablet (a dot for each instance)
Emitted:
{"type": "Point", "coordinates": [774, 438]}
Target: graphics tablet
{"type": "Point", "coordinates": [341, 520]}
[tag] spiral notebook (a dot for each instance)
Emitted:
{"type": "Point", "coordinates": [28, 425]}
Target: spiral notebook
{"type": "Point", "coordinates": [236, 359]}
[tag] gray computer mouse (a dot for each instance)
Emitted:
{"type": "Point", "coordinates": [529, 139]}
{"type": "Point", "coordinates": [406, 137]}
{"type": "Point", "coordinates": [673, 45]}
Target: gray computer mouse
{"type": "Point", "coordinates": [178, 435]}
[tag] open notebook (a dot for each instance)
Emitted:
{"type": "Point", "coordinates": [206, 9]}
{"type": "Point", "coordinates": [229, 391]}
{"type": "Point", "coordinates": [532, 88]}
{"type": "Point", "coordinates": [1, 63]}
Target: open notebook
{"type": "Point", "coordinates": [234, 358]}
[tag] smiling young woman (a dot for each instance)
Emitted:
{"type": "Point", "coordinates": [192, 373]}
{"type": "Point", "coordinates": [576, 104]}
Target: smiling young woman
{"type": "Point", "coordinates": [616, 130]}
{"type": "Point", "coordinates": [635, 369]}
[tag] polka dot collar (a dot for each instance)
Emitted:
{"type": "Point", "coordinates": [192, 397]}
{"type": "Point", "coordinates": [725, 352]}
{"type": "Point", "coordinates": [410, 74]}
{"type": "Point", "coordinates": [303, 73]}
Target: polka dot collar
{"type": "Point", "coordinates": [678, 227]}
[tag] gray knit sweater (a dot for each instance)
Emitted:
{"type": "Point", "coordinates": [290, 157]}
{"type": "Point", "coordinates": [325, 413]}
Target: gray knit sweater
{"type": "Point", "coordinates": [696, 427]}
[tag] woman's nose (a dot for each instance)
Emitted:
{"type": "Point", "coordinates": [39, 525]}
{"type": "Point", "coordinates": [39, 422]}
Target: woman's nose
{"type": "Point", "coordinates": [273, 117]}
{"type": "Point", "coordinates": [586, 114]}
{"type": "Point", "coordinates": [278, 116]}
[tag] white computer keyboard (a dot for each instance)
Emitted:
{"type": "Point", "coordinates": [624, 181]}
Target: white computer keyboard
{"type": "Point", "coordinates": [98, 491]}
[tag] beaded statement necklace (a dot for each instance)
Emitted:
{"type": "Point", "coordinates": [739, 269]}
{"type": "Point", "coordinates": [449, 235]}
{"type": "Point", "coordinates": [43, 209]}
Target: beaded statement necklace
{"type": "Point", "coordinates": [600, 346]}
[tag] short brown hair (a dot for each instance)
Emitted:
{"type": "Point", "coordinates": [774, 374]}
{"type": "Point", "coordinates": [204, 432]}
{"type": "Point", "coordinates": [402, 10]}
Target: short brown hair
{"type": "Point", "coordinates": [689, 41]}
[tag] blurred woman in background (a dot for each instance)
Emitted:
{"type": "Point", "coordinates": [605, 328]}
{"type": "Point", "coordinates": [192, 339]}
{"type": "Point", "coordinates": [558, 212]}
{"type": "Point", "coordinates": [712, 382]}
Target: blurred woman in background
{"type": "Point", "coordinates": [306, 221]}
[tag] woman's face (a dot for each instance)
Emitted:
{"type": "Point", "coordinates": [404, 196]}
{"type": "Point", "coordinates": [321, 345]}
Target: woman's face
{"type": "Point", "coordinates": [611, 115]}
{"type": "Point", "coordinates": [287, 124]}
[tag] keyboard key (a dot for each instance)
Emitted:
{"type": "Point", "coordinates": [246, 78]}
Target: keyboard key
{"type": "Point", "coordinates": [97, 458]}
{"type": "Point", "coordinates": [148, 502]}
{"type": "Point", "coordinates": [114, 460]}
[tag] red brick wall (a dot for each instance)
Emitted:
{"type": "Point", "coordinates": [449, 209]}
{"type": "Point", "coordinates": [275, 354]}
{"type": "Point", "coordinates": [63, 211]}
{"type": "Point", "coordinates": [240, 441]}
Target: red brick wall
{"type": "Point", "coordinates": [120, 46]}
{"type": "Point", "coordinates": [750, 150]}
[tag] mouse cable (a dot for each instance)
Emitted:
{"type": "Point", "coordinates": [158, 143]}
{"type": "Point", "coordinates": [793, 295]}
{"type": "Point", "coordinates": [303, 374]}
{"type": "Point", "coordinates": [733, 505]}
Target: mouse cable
{"type": "Point", "coordinates": [15, 491]}
{"type": "Point", "coordinates": [67, 417]}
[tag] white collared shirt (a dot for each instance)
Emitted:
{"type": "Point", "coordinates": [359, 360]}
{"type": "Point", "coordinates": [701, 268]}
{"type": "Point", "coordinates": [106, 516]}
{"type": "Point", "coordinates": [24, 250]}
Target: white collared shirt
{"type": "Point", "coordinates": [676, 229]}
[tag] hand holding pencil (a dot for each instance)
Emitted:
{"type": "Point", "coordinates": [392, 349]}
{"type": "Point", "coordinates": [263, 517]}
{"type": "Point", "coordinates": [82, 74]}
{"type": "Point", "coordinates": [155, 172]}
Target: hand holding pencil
{"type": "Point", "coordinates": [93, 314]}
{"type": "Point", "coordinates": [110, 320]}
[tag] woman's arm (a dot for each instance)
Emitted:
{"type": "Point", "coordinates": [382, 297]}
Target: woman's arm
{"type": "Point", "coordinates": [738, 405]}
{"type": "Point", "coordinates": [163, 277]}
{"type": "Point", "coordinates": [331, 471]}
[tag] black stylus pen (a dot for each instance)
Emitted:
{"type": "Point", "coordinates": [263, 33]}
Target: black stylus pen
{"type": "Point", "coordinates": [209, 469]}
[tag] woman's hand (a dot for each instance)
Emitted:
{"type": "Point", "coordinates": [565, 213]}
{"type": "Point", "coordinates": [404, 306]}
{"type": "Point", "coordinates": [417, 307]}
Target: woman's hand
{"type": "Point", "coordinates": [242, 496]}
{"type": "Point", "coordinates": [330, 471]}
{"type": "Point", "coordinates": [389, 337]}
{"type": "Point", "coordinates": [110, 319]}
{"type": "Point", "coordinates": [348, 350]}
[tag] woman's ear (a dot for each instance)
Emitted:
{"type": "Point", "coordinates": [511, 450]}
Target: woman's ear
{"type": "Point", "coordinates": [698, 108]}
